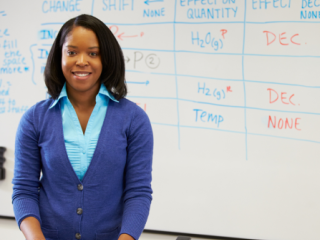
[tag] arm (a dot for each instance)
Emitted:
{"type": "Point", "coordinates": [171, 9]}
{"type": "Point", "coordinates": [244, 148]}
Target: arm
{"type": "Point", "coordinates": [137, 192]}
{"type": "Point", "coordinates": [25, 197]}
{"type": "Point", "coordinates": [31, 229]}
{"type": "Point", "coordinates": [125, 237]}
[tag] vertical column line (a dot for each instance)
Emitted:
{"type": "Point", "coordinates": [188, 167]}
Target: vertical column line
{"type": "Point", "coordinates": [243, 79]}
{"type": "Point", "coordinates": [92, 6]}
{"type": "Point", "coordinates": [175, 70]}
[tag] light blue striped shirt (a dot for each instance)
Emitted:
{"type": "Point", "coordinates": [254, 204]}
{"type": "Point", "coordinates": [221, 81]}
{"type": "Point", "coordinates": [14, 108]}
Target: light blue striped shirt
{"type": "Point", "coordinates": [80, 147]}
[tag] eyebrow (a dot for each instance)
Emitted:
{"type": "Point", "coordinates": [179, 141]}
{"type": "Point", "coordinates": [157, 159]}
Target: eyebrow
{"type": "Point", "coordinates": [71, 46]}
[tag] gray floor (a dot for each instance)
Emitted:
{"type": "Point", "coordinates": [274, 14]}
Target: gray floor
{"type": "Point", "coordinates": [9, 231]}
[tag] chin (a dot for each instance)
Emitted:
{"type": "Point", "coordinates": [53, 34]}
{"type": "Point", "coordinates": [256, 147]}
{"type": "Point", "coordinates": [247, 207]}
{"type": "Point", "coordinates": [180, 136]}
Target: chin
{"type": "Point", "coordinates": [82, 86]}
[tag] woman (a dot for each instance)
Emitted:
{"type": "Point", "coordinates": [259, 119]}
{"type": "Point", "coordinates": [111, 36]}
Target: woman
{"type": "Point", "coordinates": [93, 146]}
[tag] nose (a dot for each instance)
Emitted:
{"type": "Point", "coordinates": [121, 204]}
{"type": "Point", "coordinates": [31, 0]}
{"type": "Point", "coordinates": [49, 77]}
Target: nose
{"type": "Point", "coordinates": [81, 60]}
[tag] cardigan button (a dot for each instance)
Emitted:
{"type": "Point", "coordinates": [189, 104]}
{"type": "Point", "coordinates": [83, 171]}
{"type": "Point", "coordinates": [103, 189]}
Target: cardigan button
{"type": "Point", "coordinates": [79, 211]}
{"type": "Point", "coordinates": [78, 236]}
{"type": "Point", "coordinates": [80, 187]}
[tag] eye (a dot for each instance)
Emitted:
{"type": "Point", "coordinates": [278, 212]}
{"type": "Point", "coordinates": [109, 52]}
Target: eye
{"type": "Point", "coordinates": [71, 53]}
{"type": "Point", "coordinates": [93, 54]}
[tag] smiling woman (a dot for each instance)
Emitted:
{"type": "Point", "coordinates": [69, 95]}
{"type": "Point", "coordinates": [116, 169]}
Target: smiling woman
{"type": "Point", "coordinates": [80, 48]}
{"type": "Point", "coordinates": [93, 146]}
{"type": "Point", "coordinates": [82, 67]}
{"type": "Point", "coordinates": [99, 44]}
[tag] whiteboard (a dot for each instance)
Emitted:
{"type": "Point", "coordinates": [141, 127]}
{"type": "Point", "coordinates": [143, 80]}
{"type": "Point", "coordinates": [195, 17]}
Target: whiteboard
{"type": "Point", "coordinates": [233, 93]}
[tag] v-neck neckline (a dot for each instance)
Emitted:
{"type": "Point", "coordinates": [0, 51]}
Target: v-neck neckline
{"type": "Point", "coordinates": [75, 119]}
{"type": "Point", "coordinates": [105, 128]}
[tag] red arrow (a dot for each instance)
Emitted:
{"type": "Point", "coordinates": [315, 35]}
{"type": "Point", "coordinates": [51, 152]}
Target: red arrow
{"type": "Point", "coordinates": [120, 36]}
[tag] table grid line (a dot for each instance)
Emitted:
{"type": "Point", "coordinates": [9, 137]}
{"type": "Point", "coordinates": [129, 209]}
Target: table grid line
{"type": "Point", "coordinates": [222, 79]}
{"type": "Point", "coordinates": [238, 132]}
{"type": "Point", "coordinates": [220, 53]}
{"type": "Point", "coordinates": [175, 71]}
{"type": "Point", "coordinates": [192, 23]}
{"type": "Point", "coordinates": [243, 78]}
{"type": "Point", "coordinates": [223, 105]}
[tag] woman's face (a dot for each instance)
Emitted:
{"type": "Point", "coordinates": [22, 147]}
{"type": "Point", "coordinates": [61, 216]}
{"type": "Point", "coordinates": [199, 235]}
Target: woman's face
{"type": "Point", "coordinates": [81, 60]}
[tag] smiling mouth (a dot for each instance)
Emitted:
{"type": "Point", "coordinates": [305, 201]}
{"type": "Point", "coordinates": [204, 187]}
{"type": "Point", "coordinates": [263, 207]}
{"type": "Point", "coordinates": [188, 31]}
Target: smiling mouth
{"type": "Point", "coordinates": [81, 74]}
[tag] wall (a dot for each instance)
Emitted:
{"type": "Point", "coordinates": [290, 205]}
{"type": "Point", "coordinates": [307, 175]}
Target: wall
{"type": "Point", "coordinates": [231, 88]}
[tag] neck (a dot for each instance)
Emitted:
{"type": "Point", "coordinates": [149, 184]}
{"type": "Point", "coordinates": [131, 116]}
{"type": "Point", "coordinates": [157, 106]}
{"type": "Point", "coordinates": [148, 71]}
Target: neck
{"type": "Point", "coordinates": [82, 100]}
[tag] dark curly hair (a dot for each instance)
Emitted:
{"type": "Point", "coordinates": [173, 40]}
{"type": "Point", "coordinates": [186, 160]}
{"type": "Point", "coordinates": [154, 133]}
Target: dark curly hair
{"type": "Point", "coordinates": [113, 67]}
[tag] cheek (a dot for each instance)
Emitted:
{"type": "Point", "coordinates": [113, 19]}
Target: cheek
{"type": "Point", "coordinates": [65, 64]}
{"type": "Point", "coordinates": [98, 67]}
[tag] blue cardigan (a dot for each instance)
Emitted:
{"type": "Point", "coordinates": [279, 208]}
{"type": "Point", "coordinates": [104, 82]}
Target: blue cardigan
{"type": "Point", "coordinates": [115, 194]}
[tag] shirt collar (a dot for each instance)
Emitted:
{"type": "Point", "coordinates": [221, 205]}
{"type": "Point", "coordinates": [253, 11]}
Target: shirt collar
{"type": "Point", "coordinates": [103, 91]}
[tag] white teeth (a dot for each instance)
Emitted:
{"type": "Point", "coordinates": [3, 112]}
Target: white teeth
{"type": "Point", "coordinates": [81, 74]}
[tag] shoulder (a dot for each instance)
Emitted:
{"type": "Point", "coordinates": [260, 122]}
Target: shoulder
{"type": "Point", "coordinates": [130, 115]}
{"type": "Point", "coordinates": [39, 108]}
{"type": "Point", "coordinates": [139, 123]}
{"type": "Point", "coordinates": [126, 103]}
{"type": "Point", "coordinates": [35, 113]}
{"type": "Point", "coordinates": [133, 109]}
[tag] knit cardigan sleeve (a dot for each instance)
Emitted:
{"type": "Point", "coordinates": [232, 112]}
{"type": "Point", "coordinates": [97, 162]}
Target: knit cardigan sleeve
{"type": "Point", "coordinates": [27, 169]}
{"type": "Point", "coordinates": [137, 192]}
